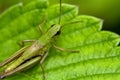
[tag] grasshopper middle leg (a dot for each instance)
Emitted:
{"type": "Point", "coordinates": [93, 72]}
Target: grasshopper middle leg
{"type": "Point", "coordinates": [41, 62]}
{"type": "Point", "coordinates": [66, 50]}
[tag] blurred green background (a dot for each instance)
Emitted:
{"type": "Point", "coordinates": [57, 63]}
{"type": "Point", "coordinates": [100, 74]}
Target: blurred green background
{"type": "Point", "coordinates": [108, 10]}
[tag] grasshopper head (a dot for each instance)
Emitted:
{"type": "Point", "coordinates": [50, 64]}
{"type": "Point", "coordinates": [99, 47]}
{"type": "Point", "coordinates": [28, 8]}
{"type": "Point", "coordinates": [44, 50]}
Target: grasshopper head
{"type": "Point", "coordinates": [52, 32]}
{"type": "Point", "coordinates": [56, 28]}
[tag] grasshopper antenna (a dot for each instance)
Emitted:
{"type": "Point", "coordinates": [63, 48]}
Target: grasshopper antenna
{"type": "Point", "coordinates": [60, 11]}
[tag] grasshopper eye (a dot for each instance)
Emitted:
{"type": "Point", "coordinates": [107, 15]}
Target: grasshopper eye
{"type": "Point", "coordinates": [52, 25]}
{"type": "Point", "coordinates": [58, 33]}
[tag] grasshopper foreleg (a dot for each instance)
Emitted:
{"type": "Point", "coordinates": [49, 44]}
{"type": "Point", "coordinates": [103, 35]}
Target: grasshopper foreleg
{"type": "Point", "coordinates": [40, 29]}
{"type": "Point", "coordinates": [40, 26]}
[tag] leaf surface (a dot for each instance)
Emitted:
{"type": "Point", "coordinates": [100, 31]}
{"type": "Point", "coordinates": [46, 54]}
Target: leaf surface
{"type": "Point", "coordinates": [99, 57]}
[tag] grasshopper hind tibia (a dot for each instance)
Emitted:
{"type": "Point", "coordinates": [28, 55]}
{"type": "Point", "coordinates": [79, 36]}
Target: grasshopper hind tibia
{"type": "Point", "coordinates": [2, 77]}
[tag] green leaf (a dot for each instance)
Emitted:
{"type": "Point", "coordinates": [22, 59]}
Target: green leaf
{"type": "Point", "coordinates": [99, 57]}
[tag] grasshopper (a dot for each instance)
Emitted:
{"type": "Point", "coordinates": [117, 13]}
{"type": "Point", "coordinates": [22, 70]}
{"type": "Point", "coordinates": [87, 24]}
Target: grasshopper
{"type": "Point", "coordinates": [29, 55]}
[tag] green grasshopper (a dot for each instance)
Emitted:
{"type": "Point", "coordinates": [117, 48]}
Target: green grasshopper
{"type": "Point", "coordinates": [29, 55]}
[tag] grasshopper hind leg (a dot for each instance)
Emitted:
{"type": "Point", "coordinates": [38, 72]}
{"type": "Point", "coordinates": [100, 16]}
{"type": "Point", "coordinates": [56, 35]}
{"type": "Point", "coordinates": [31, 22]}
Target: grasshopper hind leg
{"type": "Point", "coordinates": [1, 77]}
{"type": "Point", "coordinates": [13, 57]}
